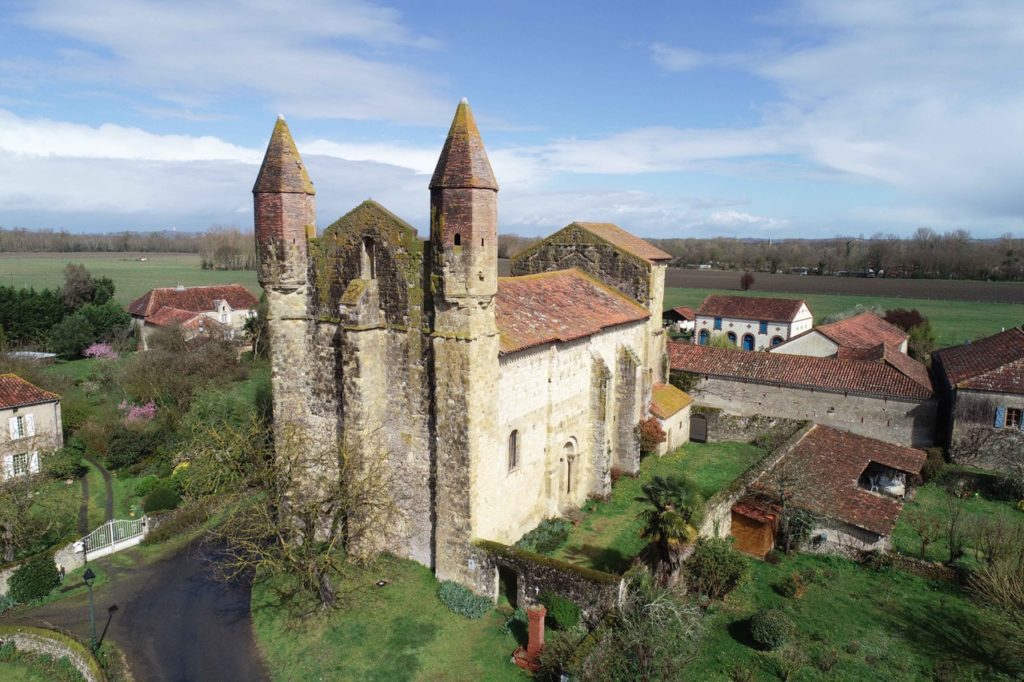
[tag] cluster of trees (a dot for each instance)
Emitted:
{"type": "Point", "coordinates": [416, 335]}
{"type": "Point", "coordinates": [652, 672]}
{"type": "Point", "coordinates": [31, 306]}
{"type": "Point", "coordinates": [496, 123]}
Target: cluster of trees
{"type": "Point", "coordinates": [65, 320]}
{"type": "Point", "coordinates": [226, 248]}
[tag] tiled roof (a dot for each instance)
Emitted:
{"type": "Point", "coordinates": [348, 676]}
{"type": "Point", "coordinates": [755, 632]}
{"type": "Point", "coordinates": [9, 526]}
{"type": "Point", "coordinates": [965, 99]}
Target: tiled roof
{"type": "Point", "coordinates": [558, 306]}
{"type": "Point", "coordinates": [685, 312]}
{"type": "Point", "coordinates": [863, 331]}
{"type": "Point", "coordinates": [896, 376]}
{"type": "Point", "coordinates": [630, 243]}
{"type": "Point", "coordinates": [195, 299]}
{"type": "Point", "coordinates": [170, 317]}
{"type": "Point", "coordinates": [16, 392]}
{"type": "Point", "coordinates": [995, 363]}
{"type": "Point", "coordinates": [282, 169]}
{"type": "Point", "coordinates": [463, 162]}
{"type": "Point", "coordinates": [751, 308]}
{"type": "Point", "coordinates": [667, 400]}
{"type": "Point", "coordinates": [829, 463]}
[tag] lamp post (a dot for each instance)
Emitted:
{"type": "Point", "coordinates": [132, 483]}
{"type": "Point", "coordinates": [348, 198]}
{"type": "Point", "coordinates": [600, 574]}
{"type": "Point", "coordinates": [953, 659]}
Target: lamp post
{"type": "Point", "coordinates": [89, 577]}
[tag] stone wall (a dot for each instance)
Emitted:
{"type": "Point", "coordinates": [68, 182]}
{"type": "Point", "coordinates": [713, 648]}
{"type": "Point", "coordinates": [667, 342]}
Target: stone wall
{"type": "Point", "coordinates": [896, 421]}
{"type": "Point", "coordinates": [55, 645]}
{"type": "Point", "coordinates": [595, 592]}
{"type": "Point", "coordinates": [831, 536]}
{"type": "Point", "coordinates": [723, 427]}
{"type": "Point", "coordinates": [975, 439]}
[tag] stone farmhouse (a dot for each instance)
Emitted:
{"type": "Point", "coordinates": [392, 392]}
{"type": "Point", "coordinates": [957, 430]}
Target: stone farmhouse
{"type": "Point", "coordinates": [197, 310]}
{"type": "Point", "coordinates": [852, 485]}
{"type": "Point", "coordinates": [981, 385]}
{"type": "Point", "coordinates": [885, 395]}
{"type": "Point", "coordinates": [34, 425]}
{"type": "Point", "coordinates": [495, 401]}
{"type": "Point", "coordinates": [853, 337]}
{"type": "Point", "coordinates": [751, 323]}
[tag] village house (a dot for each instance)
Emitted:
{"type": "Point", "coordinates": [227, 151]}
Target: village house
{"type": "Point", "coordinates": [852, 486]}
{"type": "Point", "coordinates": [981, 386]}
{"type": "Point", "coordinates": [850, 338]}
{"type": "Point", "coordinates": [751, 323]}
{"type": "Point", "coordinates": [471, 387]}
{"type": "Point", "coordinates": [33, 423]}
{"type": "Point", "coordinates": [671, 407]}
{"type": "Point", "coordinates": [198, 311]}
{"type": "Point", "coordinates": [682, 319]}
{"type": "Point", "coordinates": [887, 395]}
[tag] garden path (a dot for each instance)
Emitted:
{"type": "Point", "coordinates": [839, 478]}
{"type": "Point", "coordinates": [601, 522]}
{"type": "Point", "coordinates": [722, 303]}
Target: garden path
{"type": "Point", "coordinates": [107, 483]}
{"type": "Point", "coordinates": [83, 509]}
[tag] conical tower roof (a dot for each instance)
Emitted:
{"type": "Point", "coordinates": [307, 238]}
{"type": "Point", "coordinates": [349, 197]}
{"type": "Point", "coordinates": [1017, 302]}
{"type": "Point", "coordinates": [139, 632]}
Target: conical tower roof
{"type": "Point", "coordinates": [282, 170]}
{"type": "Point", "coordinates": [463, 162]}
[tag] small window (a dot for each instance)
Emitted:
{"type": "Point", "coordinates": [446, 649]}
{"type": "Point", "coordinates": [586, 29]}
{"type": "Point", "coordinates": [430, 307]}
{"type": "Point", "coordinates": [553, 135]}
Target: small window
{"type": "Point", "coordinates": [718, 323]}
{"type": "Point", "coordinates": [763, 327]}
{"type": "Point", "coordinates": [732, 337]}
{"type": "Point", "coordinates": [1013, 417]}
{"type": "Point", "coordinates": [513, 450]}
{"type": "Point", "coordinates": [18, 428]}
{"type": "Point", "coordinates": [368, 261]}
{"type": "Point", "coordinates": [224, 318]}
{"type": "Point", "coordinates": [21, 464]}
{"type": "Point", "coordinates": [776, 340]}
{"type": "Point", "coordinates": [481, 241]}
{"type": "Point", "coordinates": [457, 240]}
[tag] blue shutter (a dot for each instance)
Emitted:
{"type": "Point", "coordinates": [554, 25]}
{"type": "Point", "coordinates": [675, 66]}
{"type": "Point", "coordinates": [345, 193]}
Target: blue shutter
{"type": "Point", "coordinates": [764, 327]}
{"type": "Point", "coordinates": [1000, 416]}
{"type": "Point", "coordinates": [718, 323]}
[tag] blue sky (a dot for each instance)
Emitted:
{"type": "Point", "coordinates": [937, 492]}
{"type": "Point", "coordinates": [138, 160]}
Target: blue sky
{"type": "Point", "coordinates": [672, 119]}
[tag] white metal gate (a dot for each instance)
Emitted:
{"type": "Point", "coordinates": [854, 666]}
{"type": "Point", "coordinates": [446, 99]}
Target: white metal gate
{"type": "Point", "coordinates": [112, 536]}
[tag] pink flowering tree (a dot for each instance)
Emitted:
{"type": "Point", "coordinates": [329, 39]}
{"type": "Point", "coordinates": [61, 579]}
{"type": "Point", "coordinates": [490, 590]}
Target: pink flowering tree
{"type": "Point", "coordinates": [100, 350]}
{"type": "Point", "coordinates": [137, 413]}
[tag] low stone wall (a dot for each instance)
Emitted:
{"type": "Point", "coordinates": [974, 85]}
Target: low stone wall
{"type": "Point", "coordinates": [746, 429]}
{"type": "Point", "coordinates": [919, 567]}
{"type": "Point", "coordinates": [595, 592]}
{"type": "Point", "coordinates": [718, 509]}
{"type": "Point", "coordinates": [55, 644]}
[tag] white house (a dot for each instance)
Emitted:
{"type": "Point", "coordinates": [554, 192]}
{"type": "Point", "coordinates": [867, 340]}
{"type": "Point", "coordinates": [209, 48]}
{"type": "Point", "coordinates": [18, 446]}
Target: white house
{"type": "Point", "coordinates": [33, 425]}
{"type": "Point", "coordinates": [752, 323]}
{"type": "Point", "coordinates": [195, 309]}
{"type": "Point", "coordinates": [671, 407]}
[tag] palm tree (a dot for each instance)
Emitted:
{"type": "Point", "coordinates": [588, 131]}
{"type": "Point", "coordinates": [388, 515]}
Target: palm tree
{"type": "Point", "coordinates": [674, 508]}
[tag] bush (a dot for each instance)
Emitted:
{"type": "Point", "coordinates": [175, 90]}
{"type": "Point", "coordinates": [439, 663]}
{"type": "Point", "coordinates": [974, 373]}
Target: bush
{"type": "Point", "coordinates": [548, 536]}
{"type": "Point", "coordinates": [770, 628]}
{"type": "Point", "coordinates": [129, 446]}
{"type": "Point", "coordinates": [563, 613]}
{"type": "Point", "coordinates": [774, 557]}
{"type": "Point", "coordinates": [460, 600]}
{"type": "Point", "coordinates": [651, 434]}
{"type": "Point", "coordinates": [933, 466]}
{"type": "Point", "coordinates": [795, 528]}
{"type": "Point", "coordinates": [791, 586]}
{"type": "Point", "coordinates": [177, 522]}
{"type": "Point", "coordinates": [878, 561]}
{"type": "Point", "coordinates": [66, 462]}
{"type": "Point", "coordinates": [715, 568]}
{"type": "Point", "coordinates": [164, 495]}
{"type": "Point", "coordinates": [516, 624]}
{"type": "Point", "coordinates": [34, 579]}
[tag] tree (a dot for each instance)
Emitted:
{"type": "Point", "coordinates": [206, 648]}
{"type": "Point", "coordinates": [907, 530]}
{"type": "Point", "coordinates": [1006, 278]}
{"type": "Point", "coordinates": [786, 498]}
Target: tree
{"type": "Point", "coordinates": [904, 319]}
{"type": "Point", "coordinates": [109, 320]}
{"type": "Point", "coordinates": [256, 330]}
{"type": "Point", "coordinates": [294, 508]}
{"type": "Point", "coordinates": [103, 290]}
{"type": "Point", "coordinates": [746, 280]}
{"type": "Point", "coordinates": [673, 508]}
{"type": "Point", "coordinates": [928, 528]}
{"type": "Point", "coordinates": [30, 520]}
{"type": "Point", "coordinates": [78, 288]}
{"type": "Point", "coordinates": [71, 336]}
{"type": "Point", "coordinates": [922, 341]}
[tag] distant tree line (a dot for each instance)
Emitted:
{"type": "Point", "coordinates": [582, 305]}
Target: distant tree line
{"type": "Point", "coordinates": [925, 254]}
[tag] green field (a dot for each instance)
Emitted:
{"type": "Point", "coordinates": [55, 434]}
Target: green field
{"type": "Point", "coordinates": [131, 276]}
{"type": "Point", "coordinates": [954, 322]}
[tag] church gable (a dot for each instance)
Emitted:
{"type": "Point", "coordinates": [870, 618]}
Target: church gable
{"type": "Point", "coordinates": [372, 244]}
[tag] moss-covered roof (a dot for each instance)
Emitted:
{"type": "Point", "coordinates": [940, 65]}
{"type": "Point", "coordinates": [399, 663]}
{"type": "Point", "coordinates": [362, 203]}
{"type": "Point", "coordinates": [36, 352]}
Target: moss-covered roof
{"type": "Point", "coordinates": [463, 162]}
{"type": "Point", "coordinates": [667, 400]}
{"type": "Point", "coordinates": [367, 215]}
{"type": "Point", "coordinates": [282, 169]}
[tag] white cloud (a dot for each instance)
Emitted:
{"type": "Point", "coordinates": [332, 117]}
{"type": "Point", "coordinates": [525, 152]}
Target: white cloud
{"type": "Point", "coordinates": [676, 58]}
{"type": "Point", "coordinates": [741, 219]}
{"type": "Point", "coordinates": [307, 57]}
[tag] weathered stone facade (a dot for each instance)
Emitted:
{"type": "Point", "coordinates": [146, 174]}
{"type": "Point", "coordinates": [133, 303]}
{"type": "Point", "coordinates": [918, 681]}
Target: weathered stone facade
{"type": "Point", "coordinates": [388, 347]}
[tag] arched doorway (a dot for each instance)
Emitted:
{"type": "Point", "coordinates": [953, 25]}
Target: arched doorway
{"type": "Point", "coordinates": [703, 337]}
{"type": "Point", "coordinates": [698, 428]}
{"type": "Point", "coordinates": [732, 337]}
{"type": "Point", "coordinates": [748, 342]}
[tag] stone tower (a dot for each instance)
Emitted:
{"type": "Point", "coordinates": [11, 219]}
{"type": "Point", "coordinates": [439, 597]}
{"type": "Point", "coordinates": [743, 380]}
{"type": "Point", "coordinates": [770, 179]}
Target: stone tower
{"type": "Point", "coordinates": [464, 243]}
{"type": "Point", "coordinates": [285, 217]}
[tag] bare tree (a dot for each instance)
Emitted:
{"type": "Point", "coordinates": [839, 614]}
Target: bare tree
{"type": "Point", "coordinates": [928, 528]}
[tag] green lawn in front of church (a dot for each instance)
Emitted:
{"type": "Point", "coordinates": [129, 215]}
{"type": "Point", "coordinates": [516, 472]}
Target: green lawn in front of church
{"type": "Point", "coordinates": [608, 536]}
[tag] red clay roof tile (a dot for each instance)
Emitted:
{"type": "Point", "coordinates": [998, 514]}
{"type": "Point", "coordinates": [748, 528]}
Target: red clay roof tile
{"type": "Point", "coordinates": [863, 331]}
{"type": "Point", "coordinates": [558, 306]}
{"type": "Point", "coordinates": [195, 299]}
{"type": "Point", "coordinates": [995, 363]}
{"type": "Point", "coordinates": [630, 243]}
{"type": "Point", "coordinates": [16, 392]}
{"type": "Point", "coordinates": [751, 308]}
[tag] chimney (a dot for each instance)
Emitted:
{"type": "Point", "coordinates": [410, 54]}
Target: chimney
{"type": "Point", "coordinates": [527, 658]}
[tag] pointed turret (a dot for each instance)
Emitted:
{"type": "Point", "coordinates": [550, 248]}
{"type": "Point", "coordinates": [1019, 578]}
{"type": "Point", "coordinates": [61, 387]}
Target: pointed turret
{"type": "Point", "coordinates": [463, 163]}
{"type": "Point", "coordinates": [282, 169]}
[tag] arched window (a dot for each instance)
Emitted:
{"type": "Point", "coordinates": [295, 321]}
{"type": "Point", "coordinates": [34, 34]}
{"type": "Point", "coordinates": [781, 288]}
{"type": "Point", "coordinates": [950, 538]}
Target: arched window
{"type": "Point", "coordinates": [732, 337]}
{"type": "Point", "coordinates": [368, 269]}
{"type": "Point", "coordinates": [457, 239]}
{"type": "Point", "coordinates": [776, 340]}
{"type": "Point", "coordinates": [570, 462]}
{"type": "Point", "coordinates": [513, 450]}
{"type": "Point", "coordinates": [703, 337]}
{"type": "Point", "coordinates": [748, 342]}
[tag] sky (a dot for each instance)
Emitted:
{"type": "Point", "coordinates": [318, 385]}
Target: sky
{"type": "Point", "coordinates": [671, 119]}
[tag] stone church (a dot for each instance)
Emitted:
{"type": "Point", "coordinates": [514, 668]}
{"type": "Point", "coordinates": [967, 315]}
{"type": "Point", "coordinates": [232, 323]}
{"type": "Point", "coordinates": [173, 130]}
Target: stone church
{"type": "Point", "coordinates": [495, 401]}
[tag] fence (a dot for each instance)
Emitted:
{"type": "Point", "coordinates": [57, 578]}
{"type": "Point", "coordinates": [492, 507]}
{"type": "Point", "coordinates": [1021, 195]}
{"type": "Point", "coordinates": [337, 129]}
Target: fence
{"type": "Point", "coordinates": [111, 537]}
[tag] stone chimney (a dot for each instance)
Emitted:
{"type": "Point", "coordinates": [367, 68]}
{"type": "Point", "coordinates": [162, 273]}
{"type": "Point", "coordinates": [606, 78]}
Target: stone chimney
{"type": "Point", "coordinates": [527, 658]}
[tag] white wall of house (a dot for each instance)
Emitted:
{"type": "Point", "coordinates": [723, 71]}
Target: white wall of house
{"type": "Point", "coordinates": [226, 315]}
{"type": "Point", "coordinates": [836, 537]}
{"type": "Point", "coordinates": [28, 434]}
{"type": "Point", "coordinates": [815, 345]}
{"type": "Point", "coordinates": [545, 395]}
{"type": "Point", "coordinates": [677, 431]}
{"type": "Point", "coordinates": [801, 322]}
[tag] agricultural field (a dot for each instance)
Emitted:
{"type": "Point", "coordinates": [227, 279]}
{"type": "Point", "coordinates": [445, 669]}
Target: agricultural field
{"type": "Point", "coordinates": [132, 276]}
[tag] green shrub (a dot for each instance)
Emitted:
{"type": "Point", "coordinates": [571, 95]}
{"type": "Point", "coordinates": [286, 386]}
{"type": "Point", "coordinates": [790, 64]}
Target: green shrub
{"type": "Point", "coordinates": [933, 466]}
{"type": "Point", "coordinates": [795, 528]}
{"type": "Point", "coordinates": [549, 535]}
{"type": "Point", "coordinates": [878, 561]}
{"type": "Point", "coordinates": [563, 613]}
{"type": "Point", "coordinates": [6, 602]}
{"type": "Point", "coordinates": [715, 568]}
{"type": "Point", "coordinates": [790, 586]}
{"type": "Point", "coordinates": [65, 462]}
{"type": "Point", "coordinates": [34, 579]}
{"type": "Point", "coordinates": [460, 600]}
{"type": "Point", "coordinates": [516, 624]}
{"type": "Point", "coordinates": [179, 521]}
{"type": "Point", "coordinates": [128, 446]}
{"type": "Point", "coordinates": [144, 485]}
{"type": "Point", "coordinates": [770, 628]}
{"type": "Point", "coordinates": [164, 495]}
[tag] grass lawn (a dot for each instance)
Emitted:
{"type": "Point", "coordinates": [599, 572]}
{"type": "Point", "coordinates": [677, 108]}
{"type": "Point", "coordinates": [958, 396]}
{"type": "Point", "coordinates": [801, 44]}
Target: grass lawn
{"type": "Point", "coordinates": [32, 667]}
{"type": "Point", "coordinates": [608, 537]}
{"type": "Point", "coordinates": [131, 276]}
{"type": "Point", "coordinates": [869, 625]}
{"type": "Point", "coordinates": [392, 634]}
{"type": "Point", "coordinates": [953, 321]}
{"type": "Point", "coordinates": [933, 501]}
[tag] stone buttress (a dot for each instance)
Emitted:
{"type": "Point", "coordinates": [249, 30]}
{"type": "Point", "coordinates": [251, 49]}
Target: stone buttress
{"type": "Point", "coordinates": [464, 241]}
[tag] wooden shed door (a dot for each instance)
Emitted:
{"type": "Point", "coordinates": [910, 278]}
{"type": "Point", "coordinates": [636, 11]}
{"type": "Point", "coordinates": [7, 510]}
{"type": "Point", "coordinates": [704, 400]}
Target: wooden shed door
{"type": "Point", "coordinates": [698, 428]}
{"type": "Point", "coordinates": [753, 537]}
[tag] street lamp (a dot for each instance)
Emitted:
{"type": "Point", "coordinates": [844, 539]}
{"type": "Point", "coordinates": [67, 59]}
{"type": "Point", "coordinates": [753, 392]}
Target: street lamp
{"type": "Point", "coordinates": [89, 577]}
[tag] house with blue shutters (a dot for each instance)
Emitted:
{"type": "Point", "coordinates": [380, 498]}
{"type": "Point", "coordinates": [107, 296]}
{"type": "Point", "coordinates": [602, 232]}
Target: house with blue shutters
{"type": "Point", "coordinates": [981, 384]}
{"type": "Point", "coordinates": [749, 322]}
